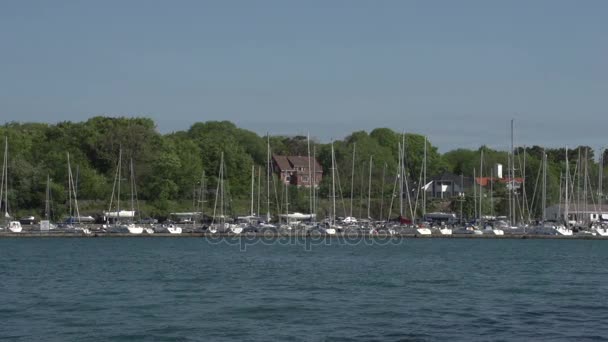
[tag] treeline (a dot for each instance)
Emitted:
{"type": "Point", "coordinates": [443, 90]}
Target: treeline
{"type": "Point", "coordinates": [169, 168]}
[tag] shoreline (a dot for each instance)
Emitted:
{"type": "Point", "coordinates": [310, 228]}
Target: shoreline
{"type": "Point", "coordinates": [267, 235]}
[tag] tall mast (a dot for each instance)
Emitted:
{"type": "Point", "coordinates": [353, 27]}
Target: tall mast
{"type": "Point", "coordinates": [314, 184]}
{"type": "Point", "coordinates": [268, 172]}
{"type": "Point", "coordinates": [462, 199]}
{"type": "Point", "coordinates": [222, 219]}
{"type": "Point", "coordinates": [72, 191]}
{"type": "Point", "coordinates": [407, 189]}
{"type": "Point", "coordinates": [544, 198]}
{"type": "Point", "coordinates": [382, 192]}
{"type": "Point", "coordinates": [585, 196]}
{"type": "Point", "coordinates": [424, 181]}
{"type": "Point", "coordinates": [202, 197]}
{"type": "Point", "coordinates": [480, 183]}
{"type": "Point", "coordinates": [287, 203]}
{"type": "Point", "coordinates": [474, 193]}
{"type": "Point", "coordinates": [132, 176]}
{"type": "Point", "coordinates": [333, 185]}
{"type": "Point", "coordinates": [310, 183]}
{"type": "Point", "coordinates": [252, 186]}
{"type": "Point", "coordinates": [400, 175]}
{"type": "Point", "coordinates": [119, 175]}
{"type": "Point", "coordinates": [600, 182]}
{"type": "Point", "coordinates": [47, 204]}
{"type": "Point", "coordinates": [4, 175]}
{"type": "Point", "coordinates": [566, 220]}
{"type": "Point", "coordinates": [6, 214]}
{"type": "Point", "coordinates": [369, 186]}
{"type": "Point", "coordinates": [523, 186]}
{"type": "Point", "coordinates": [511, 179]}
{"type": "Point", "coordinates": [70, 186]}
{"type": "Point", "coordinates": [492, 192]}
{"type": "Point", "coordinates": [259, 188]}
{"type": "Point", "coordinates": [352, 180]}
{"type": "Point", "coordinates": [578, 186]}
{"type": "Point", "coordinates": [559, 204]}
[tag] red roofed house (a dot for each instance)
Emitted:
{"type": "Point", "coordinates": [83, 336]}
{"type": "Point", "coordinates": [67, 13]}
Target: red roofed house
{"type": "Point", "coordinates": [296, 170]}
{"type": "Point", "coordinates": [515, 184]}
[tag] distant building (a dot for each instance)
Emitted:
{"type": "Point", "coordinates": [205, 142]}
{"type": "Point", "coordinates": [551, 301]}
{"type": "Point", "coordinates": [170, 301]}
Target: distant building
{"type": "Point", "coordinates": [448, 185]}
{"type": "Point", "coordinates": [511, 183]}
{"type": "Point", "coordinates": [578, 213]}
{"type": "Point", "coordinates": [296, 170]}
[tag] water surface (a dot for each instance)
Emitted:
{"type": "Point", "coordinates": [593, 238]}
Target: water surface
{"type": "Point", "coordinates": [191, 289]}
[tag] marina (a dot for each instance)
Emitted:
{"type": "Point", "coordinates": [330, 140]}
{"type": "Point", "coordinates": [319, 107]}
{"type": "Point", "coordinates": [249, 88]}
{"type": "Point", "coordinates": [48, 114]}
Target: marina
{"type": "Point", "coordinates": [351, 234]}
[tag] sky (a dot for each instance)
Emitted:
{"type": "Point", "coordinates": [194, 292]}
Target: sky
{"type": "Point", "coordinates": [456, 71]}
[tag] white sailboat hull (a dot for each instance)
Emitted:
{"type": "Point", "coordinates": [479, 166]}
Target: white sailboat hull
{"type": "Point", "coordinates": [15, 227]}
{"type": "Point", "coordinates": [563, 231]}
{"type": "Point", "coordinates": [601, 231]}
{"type": "Point", "coordinates": [135, 229]}
{"type": "Point", "coordinates": [423, 231]}
{"type": "Point", "coordinates": [174, 230]}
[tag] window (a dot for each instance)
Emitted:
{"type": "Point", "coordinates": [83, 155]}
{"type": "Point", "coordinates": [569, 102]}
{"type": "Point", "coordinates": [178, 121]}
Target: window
{"type": "Point", "coordinates": [305, 178]}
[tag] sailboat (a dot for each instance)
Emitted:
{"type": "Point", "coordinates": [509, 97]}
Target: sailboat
{"type": "Point", "coordinates": [174, 229]}
{"type": "Point", "coordinates": [488, 229]}
{"type": "Point", "coordinates": [46, 224]}
{"type": "Point", "coordinates": [266, 225]}
{"type": "Point", "coordinates": [331, 229]}
{"type": "Point", "coordinates": [442, 230]}
{"type": "Point", "coordinates": [131, 227]}
{"type": "Point", "coordinates": [550, 228]}
{"type": "Point", "coordinates": [287, 225]}
{"type": "Point", "coordinates": [13, 226]}
{"type": "Point", "coordinates": [222, 225]}
{"type": "Point", "coordinates": [599, 227]}
{"type": "Point", "coordinates": [75, 219]}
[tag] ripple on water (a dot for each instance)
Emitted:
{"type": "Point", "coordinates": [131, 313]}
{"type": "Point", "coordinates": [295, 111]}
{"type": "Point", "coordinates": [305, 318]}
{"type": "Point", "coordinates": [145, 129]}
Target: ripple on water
{"type": "Point", "coordinates": [191, 290]}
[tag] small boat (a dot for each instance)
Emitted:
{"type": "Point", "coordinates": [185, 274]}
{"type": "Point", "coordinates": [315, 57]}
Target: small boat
{"type": "Point", "coordinates": [424, 231]}
{"type": "Point", "coordinates": [468, 230]}
{"type": "Point", "coordinates": [442, 231]}
{"type": "Point", "coordinates": [601, 231]}
{"type": "Point", "coordinates": [235, 229]}
{"type": "Point", "coordinates": [173, 229]}
{"type": "Point", "coordinates": [330, 231]}
{"type": "Point", "coordinates": [15, 226]}
{"type": "Point", "coordinates": [489, 230]}
{"type": "Point", "coordinates": [133, 229]}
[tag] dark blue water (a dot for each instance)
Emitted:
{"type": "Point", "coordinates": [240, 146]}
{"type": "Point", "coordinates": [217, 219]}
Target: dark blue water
{"type": "Point", "coordinates": [189, 289]}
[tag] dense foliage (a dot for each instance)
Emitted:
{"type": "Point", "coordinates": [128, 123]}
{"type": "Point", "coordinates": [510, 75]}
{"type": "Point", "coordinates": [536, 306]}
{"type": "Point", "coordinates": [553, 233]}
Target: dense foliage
{"type": "Point", "coordinates": [174, 171]}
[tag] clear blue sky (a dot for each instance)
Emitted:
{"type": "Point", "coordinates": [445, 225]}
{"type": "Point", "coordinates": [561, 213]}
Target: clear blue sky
{"type": "Point", "coordinates": [457, 71]}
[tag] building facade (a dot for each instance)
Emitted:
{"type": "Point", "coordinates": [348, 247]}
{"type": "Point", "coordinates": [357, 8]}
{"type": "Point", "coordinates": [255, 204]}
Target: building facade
{"type": "Point", "coordinates": [297, 170]}
{"type": "Point", "coordinates": [448, 185]}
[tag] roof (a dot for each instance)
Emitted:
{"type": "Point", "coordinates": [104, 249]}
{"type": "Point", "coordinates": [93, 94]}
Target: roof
{"type": "Point", "coordinates": [454, 178]}
{"type": "Point", "coordinates": [282, 162]}
{"type": "Point", "coordinates": [290, 163]}
{"type": "Point", "coordinates": [299, 161]}
{"type": "Point", "coordinates": [484, 181]}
